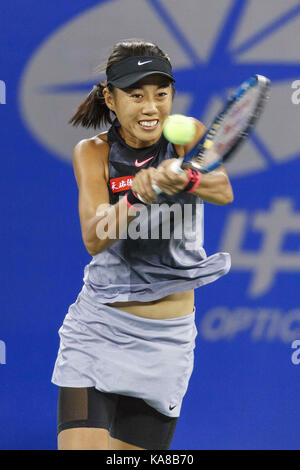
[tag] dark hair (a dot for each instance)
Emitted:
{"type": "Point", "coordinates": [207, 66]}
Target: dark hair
{"type": "Point", "coordinates": [93, 112]}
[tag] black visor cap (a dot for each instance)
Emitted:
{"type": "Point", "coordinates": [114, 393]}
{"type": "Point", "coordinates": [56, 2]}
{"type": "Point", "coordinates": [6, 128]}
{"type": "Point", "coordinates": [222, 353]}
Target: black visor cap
{"type": "Point", "coordinates": [131, 70]}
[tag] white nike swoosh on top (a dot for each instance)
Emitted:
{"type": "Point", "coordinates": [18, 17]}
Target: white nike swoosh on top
{"type": "Point", "coordinates": [137, 163]}
{"type": "Point", "coordinates": [142, 63]}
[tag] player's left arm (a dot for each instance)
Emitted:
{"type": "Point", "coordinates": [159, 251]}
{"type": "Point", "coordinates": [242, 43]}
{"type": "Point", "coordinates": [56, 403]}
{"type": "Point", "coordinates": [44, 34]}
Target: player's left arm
{"type": "Point", "coordinates": [214, 187]}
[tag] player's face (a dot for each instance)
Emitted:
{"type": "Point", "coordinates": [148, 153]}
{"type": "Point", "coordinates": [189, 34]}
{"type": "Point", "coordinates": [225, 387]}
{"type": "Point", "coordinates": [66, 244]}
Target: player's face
{"type": "Point", "coordinates": [143, 110]}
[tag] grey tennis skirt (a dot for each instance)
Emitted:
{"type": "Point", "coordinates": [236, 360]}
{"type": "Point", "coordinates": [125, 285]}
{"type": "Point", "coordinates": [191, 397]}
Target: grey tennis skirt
{"type": "Point", "coordinates": [117, 352]}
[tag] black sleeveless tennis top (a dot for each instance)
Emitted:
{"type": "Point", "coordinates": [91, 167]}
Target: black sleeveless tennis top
{"type": "Point", "coordinates": [161, 251]}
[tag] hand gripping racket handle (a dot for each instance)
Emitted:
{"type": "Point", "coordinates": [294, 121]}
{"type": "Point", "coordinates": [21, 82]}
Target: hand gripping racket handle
{"type": "Point", "coordinates": [175, 167]}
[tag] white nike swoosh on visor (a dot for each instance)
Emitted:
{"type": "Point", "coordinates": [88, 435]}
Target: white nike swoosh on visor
{"type": "Point", "coordinates": [142, 63]}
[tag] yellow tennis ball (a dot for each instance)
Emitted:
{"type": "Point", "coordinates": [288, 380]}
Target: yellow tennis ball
{"type": "Point", "coordinates": [179, 129]}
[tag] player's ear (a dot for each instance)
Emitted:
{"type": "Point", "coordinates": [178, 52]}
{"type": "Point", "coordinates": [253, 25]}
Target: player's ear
{"type": "Point", "coordinates": [109, 98]}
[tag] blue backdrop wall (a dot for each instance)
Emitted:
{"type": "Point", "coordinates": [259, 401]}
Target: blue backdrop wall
{"type": "Point", "coordinates": [244, 391]}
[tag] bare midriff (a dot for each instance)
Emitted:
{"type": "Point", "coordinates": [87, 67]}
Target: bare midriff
{"type": "Point", "coordinates": [171, 306]}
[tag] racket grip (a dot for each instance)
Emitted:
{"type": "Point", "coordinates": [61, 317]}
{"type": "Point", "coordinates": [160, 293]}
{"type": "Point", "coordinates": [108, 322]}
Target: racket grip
{"type": "Point", "coordinates": [175, 167]}
{"type": "Point", "coordinates": [140, 198]}
{"type": "Point", "coordinates": [155, 188]}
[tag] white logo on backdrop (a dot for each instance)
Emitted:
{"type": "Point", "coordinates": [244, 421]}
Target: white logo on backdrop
{"type": "Point", "coordinates": [59, 74]}
{"type": "Point", "coordinates": [2, 92]}
{"type": "Point", "coordinates": [2, 352]}
{"type": "Point", "coordinates": [260, 324]}
{"type": "Point", "coordinates": [270, 258]}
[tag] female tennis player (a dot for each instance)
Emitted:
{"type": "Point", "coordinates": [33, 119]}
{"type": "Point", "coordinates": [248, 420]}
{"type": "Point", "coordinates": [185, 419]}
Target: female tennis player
{"type": "Point", "coordinates": [127, 343]}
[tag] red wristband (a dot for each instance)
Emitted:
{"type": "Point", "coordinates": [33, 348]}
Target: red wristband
{"type": "Point", "coordinates": [131, 199]}
{"type": "Point", "coordinates": [128, 203]}
{"type": "Point", "coordinates": [193, 179]}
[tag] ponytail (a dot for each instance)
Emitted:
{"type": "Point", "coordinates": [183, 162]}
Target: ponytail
{"type": "Point", "coordinates": [93, 112]}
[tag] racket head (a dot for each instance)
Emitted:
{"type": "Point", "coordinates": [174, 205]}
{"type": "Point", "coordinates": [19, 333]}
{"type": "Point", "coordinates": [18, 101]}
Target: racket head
{"type": "Point", "coordinates": [231, 126]}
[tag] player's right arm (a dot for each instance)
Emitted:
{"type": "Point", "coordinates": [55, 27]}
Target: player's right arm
{"type": "Point", "coordinates": [91, 173]}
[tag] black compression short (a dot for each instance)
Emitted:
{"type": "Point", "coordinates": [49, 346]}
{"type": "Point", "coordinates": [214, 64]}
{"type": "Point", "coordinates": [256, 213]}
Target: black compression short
{"type": "Point", "coordinates": [126, 418]}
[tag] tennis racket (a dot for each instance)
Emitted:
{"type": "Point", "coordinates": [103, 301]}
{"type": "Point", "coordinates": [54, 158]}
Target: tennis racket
{"type": "Point", "coordinates": [228, 130]}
